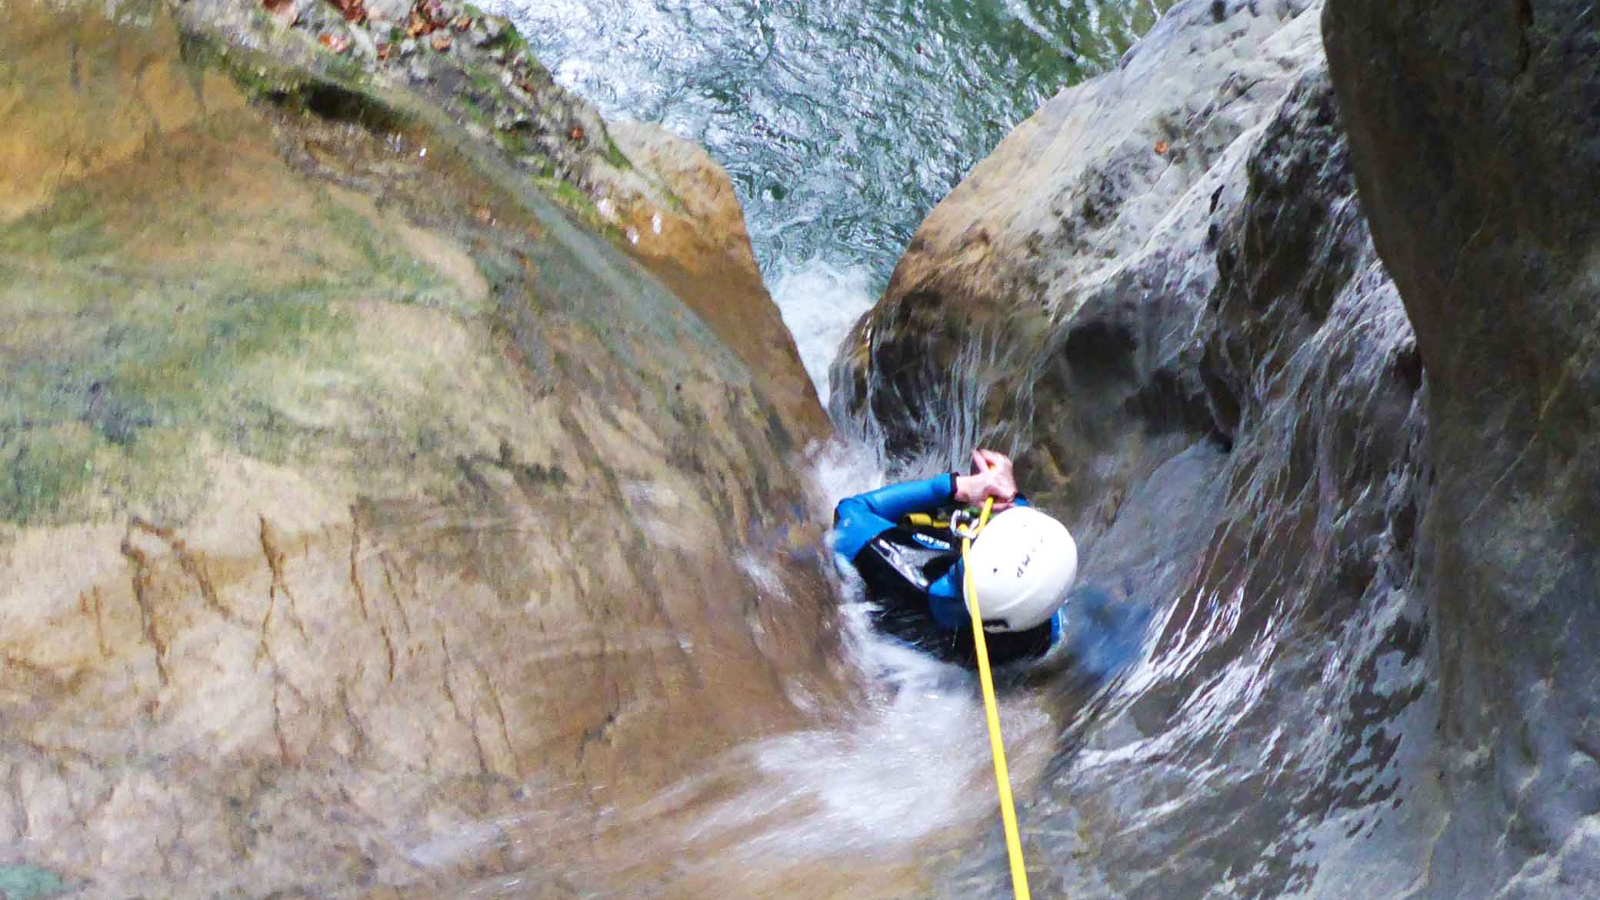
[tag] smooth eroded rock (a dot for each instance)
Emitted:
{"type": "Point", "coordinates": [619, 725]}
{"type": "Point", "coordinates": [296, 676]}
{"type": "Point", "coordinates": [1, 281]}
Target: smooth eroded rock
{"type": "Point", "coordinates": [696, 241]}
{"type": "Point", "coordinates": [1476, 138]}
{"type": "Point", "coordinates": [363, 514]}
{"type": "Point", "coordinates": [1161, 291]}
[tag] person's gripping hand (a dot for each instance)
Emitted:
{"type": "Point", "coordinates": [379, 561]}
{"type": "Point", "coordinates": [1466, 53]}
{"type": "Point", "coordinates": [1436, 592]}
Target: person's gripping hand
{"type": "Point", "coordinates": [991, 476]}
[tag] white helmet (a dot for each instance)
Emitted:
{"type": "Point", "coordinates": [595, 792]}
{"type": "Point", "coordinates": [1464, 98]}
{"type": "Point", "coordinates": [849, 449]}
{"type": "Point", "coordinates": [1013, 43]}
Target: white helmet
{"type": "Point", "coordinates": [1023, 563]}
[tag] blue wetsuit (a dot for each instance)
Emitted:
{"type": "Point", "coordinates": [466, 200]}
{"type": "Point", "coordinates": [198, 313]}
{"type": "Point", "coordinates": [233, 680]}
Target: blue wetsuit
{"type": "Point", "coordinates": [913, 573]}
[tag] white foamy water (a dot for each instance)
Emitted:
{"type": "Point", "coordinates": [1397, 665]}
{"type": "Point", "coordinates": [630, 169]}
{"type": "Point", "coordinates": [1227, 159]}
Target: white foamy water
{"type": "Point", "coordinates": [885, 780]}
{"type": "Point", "coordinates": [915, 759]}
{"type": "Point", "coordinates": [899, 775]}
{"type": "Point", "coordinates": [819, 302]}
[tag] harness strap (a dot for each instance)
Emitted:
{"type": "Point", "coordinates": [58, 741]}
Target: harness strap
{"type": "Point", "coordinates": [925, 520]}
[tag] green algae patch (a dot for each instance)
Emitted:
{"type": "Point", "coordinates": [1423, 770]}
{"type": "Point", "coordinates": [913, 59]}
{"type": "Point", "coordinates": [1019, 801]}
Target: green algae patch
{"type": "Point", "coordinates": [276, 270]}
{"type": "Point", "coordinates": [51, 463]}
{"type": "Point", "coordinates": [616, 157]}
{"type": "Point", "coordinates": [221, 290]}
{"type": "Point", "coordinates": [24, 882]}
{"type": "Point", "coordinates": [329, 85]}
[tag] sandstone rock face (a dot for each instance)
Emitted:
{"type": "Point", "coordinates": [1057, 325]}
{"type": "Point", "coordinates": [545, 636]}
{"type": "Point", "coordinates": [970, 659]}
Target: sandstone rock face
{"type": "Point", "coordinates": [697, 243]}
{"type": "Point", "coordinates": [1476, 137]}
{"type": "Point", "coordinates": [1162, 291]}
{"type": "Point", "coordinates": [660, 197]}
{"type": "Point", "coordinates": [352, 492]}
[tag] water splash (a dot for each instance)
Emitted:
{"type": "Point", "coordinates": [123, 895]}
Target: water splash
{"type": "Point", "coordinates": [854, 805]}
{"type": "Point", "coordinates": [819, 301]}
{"type": "Point", "coordinates": [840, 123]}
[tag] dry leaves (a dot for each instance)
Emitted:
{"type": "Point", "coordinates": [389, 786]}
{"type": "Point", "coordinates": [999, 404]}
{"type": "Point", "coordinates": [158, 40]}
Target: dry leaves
{"type": "Point", "coordinates": [284, 12]}
{"type": "Point", "coordinates": [427, 16]}
{"type": "Point", "coordinates": [1162, 147]}
{"type": "Point", "coordinates": [338, 43]}
{"type": "Point", "coordinates": [440, 41]}
{"type": "Point", "coordinates": [576, 133]}
{"type": "Point", "coordinates": [354, 11]}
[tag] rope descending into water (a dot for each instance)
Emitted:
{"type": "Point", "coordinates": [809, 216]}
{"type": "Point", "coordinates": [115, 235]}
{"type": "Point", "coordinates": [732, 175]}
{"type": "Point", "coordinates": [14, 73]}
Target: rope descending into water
{"type": "Point", "coordinates": [1008, 813]}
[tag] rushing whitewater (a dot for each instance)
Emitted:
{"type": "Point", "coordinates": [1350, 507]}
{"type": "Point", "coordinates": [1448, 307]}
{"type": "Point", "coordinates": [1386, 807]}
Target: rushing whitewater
{"type": "Point", "coordinates": [1216, 387]}
{"type": "Point", "coordinates": [411, 491]}
{"type": "Point", "coordinates": [841, 124]}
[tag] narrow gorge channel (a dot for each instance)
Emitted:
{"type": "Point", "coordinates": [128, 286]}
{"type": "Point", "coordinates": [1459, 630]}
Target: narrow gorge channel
{"type": "Point", "coordinates": [422, 423]}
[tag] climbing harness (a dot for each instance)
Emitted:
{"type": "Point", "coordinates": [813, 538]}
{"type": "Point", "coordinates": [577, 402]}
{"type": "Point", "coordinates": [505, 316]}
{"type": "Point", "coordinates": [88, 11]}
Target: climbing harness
{"type": "Point", "coordinates": [965, 528]}
{"type": "Point", "coordinates": [924, 520]}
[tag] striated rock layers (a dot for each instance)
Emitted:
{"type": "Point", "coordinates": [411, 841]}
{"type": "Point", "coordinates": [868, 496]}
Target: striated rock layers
{"type": "Point", "coordinates": [1475, 133]}
{"type": "Point", "coordinates": [1161, 289]}
{"type": "Point", "coordinates": [367, 524]}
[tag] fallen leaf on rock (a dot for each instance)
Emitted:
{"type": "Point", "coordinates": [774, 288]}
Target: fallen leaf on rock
{"type": "Point", "coordinates": [338, 43]}
{"type": "Point", "coordinates": [385, 51]}
{"type": "Point", "coordinates": [284, 12]}
{"type": "Point", "coordinates": [576, 133]}
{"type": "Point", "coordinates": [440, 41]}
{"type": "Point", "coordinates": [1162, 147]}
{"type": "Point", "coordinates": [461, 23]}
{"type": "Point", "coordinates": [427, 16]}
{"type": "Point", "coordinates": [354, 11]}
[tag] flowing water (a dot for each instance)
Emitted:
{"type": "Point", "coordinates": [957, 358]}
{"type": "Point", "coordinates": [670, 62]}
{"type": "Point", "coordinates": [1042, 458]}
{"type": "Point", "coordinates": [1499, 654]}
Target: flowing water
{"type": "Point", "coordinates": [841, 123]}
{"type": "Point", "coordinates": [1189, 739]}
{"type": "Point", "coordinates": [1244, 677]}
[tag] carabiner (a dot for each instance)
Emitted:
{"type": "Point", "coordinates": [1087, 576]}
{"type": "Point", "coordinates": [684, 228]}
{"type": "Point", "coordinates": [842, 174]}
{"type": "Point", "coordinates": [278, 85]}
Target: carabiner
{"type": "Point", "coordinates": [964, 524]}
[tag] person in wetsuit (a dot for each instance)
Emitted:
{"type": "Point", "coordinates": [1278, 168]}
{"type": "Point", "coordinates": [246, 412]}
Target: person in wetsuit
{"type": "Point", "coordinates": [900, 540]}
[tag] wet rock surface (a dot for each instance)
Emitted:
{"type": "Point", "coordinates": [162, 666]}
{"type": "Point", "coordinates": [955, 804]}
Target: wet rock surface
{"type": "Point", "coordinates": [367, 521]}
{"type": "Point", "coordinates": [655, 195]}
{"type": "Point", "coordinates": [699, 247]}
{"type": "Point", "coordinates": [1473, 129]}
{"type": "Point", "coordinates": [1162, 291]}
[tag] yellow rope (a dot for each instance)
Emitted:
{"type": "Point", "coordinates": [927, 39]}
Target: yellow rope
{"type": "Point", "coordinates": [1008, 813]}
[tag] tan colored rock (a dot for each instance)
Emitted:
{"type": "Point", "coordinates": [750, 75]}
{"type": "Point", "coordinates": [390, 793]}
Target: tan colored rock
{"type": "Point", "coordinates": [350, 535]}
{"type": "Point", "coordinates": [659, 196]}
{"type": "Point", "coordinates": [701, 192]}
{"type": "Point", "coordinates": [690, 231]}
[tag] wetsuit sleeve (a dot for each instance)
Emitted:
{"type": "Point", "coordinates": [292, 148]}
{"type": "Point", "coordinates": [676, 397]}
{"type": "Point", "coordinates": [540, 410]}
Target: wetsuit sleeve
{"type": "Point", "coordinates": [859, 519]}
{"type": "Point", "coordinates": [946, 602]}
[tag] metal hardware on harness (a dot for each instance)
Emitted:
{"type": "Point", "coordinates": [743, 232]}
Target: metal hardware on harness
{"type": "Point", "coordinates": [966, 524]}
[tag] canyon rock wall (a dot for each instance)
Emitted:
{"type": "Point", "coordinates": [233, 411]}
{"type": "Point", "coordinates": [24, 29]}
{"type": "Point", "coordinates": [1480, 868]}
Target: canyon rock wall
{"type": "Point", "coordinates": [364, 514]}
{"type": "Point", "coordinates": [1162, 292]}
{"type": "Point", "coordinates": [1475, 134]}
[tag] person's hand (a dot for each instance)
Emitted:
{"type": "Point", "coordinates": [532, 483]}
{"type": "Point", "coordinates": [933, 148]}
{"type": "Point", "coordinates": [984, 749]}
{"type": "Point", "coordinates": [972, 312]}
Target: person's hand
{"type": "Point", "coordinates": [991, 477]}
